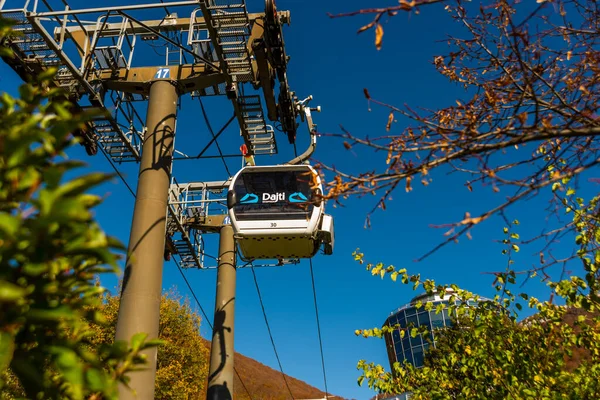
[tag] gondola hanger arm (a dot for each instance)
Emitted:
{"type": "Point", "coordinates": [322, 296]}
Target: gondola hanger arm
{"type": "Point", "coordinates": [306, 114]}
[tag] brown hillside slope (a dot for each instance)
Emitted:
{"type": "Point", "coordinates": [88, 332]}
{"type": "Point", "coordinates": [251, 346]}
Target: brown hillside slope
{"type": "Point", "coordinates": [265, 383]}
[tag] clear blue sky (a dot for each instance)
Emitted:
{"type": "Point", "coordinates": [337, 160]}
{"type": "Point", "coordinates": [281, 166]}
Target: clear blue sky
{"type": "Point", "coordinates": [329, 61]}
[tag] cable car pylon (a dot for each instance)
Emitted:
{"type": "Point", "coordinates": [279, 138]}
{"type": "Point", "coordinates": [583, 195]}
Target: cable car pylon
{"type": "Point", "coordinates": [212, 49]}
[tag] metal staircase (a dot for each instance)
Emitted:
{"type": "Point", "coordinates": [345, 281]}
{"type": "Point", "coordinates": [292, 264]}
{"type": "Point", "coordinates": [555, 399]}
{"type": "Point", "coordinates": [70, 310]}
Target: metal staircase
{"type": "Point", "coordinates": [228, 29]}
{"type": "Point", "coordinates": [229, 20]}
{"type": "Point", "coordinates": [34, 56]}
{"type": "Point", "coordinates": [190, 251]}
{"type": "Point", "coordinates": [260, 135]}
{"type": "Point", "coordinates": [188, 204]}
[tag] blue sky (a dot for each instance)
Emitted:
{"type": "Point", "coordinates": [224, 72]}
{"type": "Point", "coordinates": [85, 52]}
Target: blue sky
{"type": "Point", "coordinates": [331, 62]}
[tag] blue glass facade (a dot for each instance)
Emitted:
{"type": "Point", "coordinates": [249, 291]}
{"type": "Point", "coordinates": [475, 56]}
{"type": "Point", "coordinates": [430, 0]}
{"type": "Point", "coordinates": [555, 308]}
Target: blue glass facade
{"type": "Point", "coordinates": [409, 316]}
{"type": "Point", "coordinates": [413, 349]}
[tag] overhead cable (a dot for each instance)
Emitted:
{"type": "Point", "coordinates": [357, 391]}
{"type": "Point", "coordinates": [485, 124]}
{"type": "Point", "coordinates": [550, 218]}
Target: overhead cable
{"type": "Point", "coordinates": [112, 164]}
{"type": "Point", "coordinates": [166, 9]}
{"type": "Point", "coordinates": [213, 135]}
{"type": "Point", "coordinates": [312, 278]}
{"type": "Point", "coordinates": [206, 318]}
{"type": "Point", "coordinates": [262, 306]}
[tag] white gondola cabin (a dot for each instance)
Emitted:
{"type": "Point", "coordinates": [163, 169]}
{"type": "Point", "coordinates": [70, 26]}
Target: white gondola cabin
{"type": "Point", "coordinates": [277, 212]}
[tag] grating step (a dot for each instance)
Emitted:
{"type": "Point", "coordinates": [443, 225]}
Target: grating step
{"type": "Point", "coordinates": [225, 6]}
{"type": "Point", "coordinates": [237, 60]}
{"type": "Point", "coordinates": [258, 120]}
{"type": "Point", "coordinates": [230, 15]}
{"type": "Point", "coordinates": [249, 108]}
{"type": "Point", "coordinates": [261, 142]}
{"type": "Point", "coordinates": [51, 62]}
{"type": "Point", "coordinates": [38, 47]}
{"type": "Point", "coordinates": [25, 31]}
{"type": "Point", "coordinates": [227, 49]}
{"type": "Point", "coordinates": [237, 66]}
{"type": "Point", "coordinates": [231, 32]}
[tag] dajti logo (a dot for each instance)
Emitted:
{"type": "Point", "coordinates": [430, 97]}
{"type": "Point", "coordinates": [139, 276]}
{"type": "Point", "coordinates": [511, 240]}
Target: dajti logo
{"type": "Point", "coordinates": [298, 198]}
{"type": "Point", "coordinates": [249, 198]}
{"type": "Point", "coordinates": [273, 197]}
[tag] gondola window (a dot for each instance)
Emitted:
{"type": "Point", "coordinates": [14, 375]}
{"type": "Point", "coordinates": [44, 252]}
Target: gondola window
{"type": "Point", "coordinates": [281, 195]}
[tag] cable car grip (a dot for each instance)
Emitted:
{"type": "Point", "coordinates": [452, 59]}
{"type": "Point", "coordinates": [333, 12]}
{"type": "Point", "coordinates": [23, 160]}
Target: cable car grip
{"type": "Point", "coordinates": [305, 114]}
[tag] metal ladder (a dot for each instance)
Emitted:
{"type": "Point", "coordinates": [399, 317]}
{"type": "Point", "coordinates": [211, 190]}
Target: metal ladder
{"type": "Point", "coordinates": [229, 18]}
{"type": "Point", "coordinates": [33, 56]}
{"type": "Point", "coordinates": [260, 135]}
{"type": "Point", "coordinates": [190, 252]}
{"type": "Point", "coordinates": [229, 29]}
{"type": "Point", "coordinates": [110, 138]}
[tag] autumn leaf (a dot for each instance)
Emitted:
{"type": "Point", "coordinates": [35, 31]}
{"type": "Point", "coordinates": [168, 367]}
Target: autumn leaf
{"type": "Point", "coordinates": [364, 28]}
{"type": "Point", "coordinates": [378, 36]}
{"type": "Point", "coordinates": [468, 220]}
{"type": "Point", "coordinates": [390, 120]}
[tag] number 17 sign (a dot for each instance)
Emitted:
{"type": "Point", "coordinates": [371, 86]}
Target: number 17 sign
{"type": "Point", "coordinates": [162, 73]}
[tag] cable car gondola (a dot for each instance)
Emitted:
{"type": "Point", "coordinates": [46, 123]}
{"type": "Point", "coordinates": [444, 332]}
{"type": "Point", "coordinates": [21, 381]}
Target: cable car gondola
{"type": "Point", "coordinates": [277, 212]}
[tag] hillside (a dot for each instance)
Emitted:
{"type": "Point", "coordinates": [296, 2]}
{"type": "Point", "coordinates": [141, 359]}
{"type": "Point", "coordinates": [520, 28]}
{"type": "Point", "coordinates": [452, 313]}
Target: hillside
{"type": "Point", "coordinates": [265, 383]}
{"type": "Point", "coordinates": [183, 359]}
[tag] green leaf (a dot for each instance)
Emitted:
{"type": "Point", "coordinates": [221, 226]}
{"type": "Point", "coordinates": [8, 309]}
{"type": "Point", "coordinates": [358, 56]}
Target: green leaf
{"type": "Point", "coordinates": [7, 347]}
{"type": "Point", "coordinates": [138, 340]}
{"type": "Point", "coordinates": [10, 293]}
{"type": "Point", "coordinates": [95, 379]}
{"type": "Point", "coordinates": [52, 314]}
{"type": "Point", "coordinates": [81, 184]}
{"type": "Point", "coordinates": [9, 225]}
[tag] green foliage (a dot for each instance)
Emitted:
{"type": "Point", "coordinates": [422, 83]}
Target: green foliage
{"type": "Point", "coordinates": [488, 353]}
{"type": "Point", "coordinates": [183, 356]}
{"type": "Point", "coordinates": [51, 250]}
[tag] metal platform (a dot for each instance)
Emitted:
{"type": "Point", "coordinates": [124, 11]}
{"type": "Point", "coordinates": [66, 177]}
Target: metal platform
{"type": "Point", "coordinates": [35, 53]}
{"type": "Point", "coordinates": [94, 51]}
{"type": "Point", "coordinates": [194, 209]}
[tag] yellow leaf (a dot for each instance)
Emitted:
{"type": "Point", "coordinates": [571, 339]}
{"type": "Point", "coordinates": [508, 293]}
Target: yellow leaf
{"type": "Point", "coordinates": [378, 36]}
{"type": "Point", "coordinates": [364, 28]}
{"type": "Point", "coordinates": [390, 120]}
